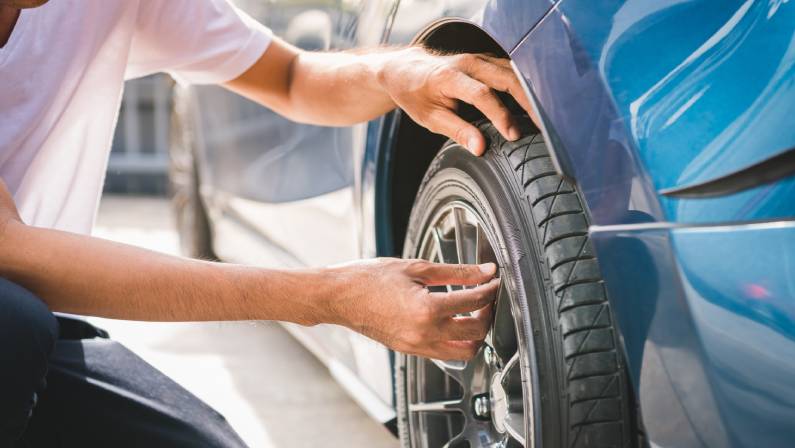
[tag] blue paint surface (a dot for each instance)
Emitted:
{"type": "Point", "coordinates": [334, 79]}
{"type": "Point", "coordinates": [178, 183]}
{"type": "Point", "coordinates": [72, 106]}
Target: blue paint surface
{"type": "Point", "coordinates": [740, 288]}
{"type": "Point", "coordinates": [708, 320]}
{"type": "Point", "coordinates": [508, 21]}
{"type": "Point", "coordinates": [668, 94]}
{"type": "Point", "coordinates": [640, 96]}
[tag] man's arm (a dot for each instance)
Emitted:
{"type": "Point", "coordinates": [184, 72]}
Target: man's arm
{"type": "Point", "coordinates": [384, 299]}
{"type": "Point", "coordinates": [338, 89]}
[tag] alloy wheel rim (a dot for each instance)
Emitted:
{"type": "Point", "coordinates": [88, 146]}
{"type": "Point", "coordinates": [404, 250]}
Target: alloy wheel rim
{"type": "Point", "coordinates": [484, 402]}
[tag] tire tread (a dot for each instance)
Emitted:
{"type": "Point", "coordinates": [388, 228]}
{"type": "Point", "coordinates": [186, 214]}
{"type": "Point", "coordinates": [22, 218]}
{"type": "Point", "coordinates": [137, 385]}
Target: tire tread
{"type": "Point", "coordinates": [596, 382]}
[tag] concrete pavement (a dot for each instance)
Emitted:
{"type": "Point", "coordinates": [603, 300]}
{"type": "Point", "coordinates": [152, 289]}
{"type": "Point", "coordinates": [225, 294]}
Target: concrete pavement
{"type": "Point", "coordinates": [272, 391]}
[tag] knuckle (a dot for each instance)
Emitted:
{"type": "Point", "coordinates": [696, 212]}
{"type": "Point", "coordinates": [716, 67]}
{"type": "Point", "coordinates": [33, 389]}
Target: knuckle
{"type": "Point", "coordinates": [460, 136]}
{"type": "Point", "coordinates": [432, 310]}
{"type": "Point", "coordinates": [413, 339]}
{"type": "Point", "coordinates": [416, 266]}
{"type": "Point", "coordinates": [426, 313]}
{"type": "Point", "coordinates": [465, 59]}
{"type": "Point", "coordinates": [483, 92]}
{"type": "Point", "coordinates": [423, 116]}
{"type": "Point", "coordinates": [442, 73]}
{"type": "Point", "coordinates": [435, 118]}
{"type": "Point", "coordinates": [503, 114]}
{"type": "Point", "coordinates": [483, 295]}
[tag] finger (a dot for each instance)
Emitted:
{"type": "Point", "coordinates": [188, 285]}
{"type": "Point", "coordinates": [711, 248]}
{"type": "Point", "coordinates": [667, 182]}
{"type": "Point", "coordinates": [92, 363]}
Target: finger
{"type": "Point", "coordinates": [485, 100]}
{"type": "Point", "coordinates": [447, 123]}
{"type": "Point", "coordinates": [440, 274]}
{"type": "Point", "coordinates": [498, 74]}
{"type": "Point", "coordinates": [468, 328]}
{"type": "Point", "coordinates": [465, 300]}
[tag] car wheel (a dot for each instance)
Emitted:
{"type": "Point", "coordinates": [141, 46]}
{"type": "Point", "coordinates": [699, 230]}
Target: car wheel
{"type": "Point", "coordinates": [549, 372]}
{"type": "Point", "coordinates": [193, 226]}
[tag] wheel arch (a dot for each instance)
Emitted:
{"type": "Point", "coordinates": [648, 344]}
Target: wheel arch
{"type": "Point", "coordinates": [401, 166]}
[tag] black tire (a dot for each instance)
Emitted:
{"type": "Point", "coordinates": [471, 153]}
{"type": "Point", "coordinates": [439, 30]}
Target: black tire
{"type": "Point", "coordinates": [193, 225]}
{"type": "Point", "coordinates": [580, 384]}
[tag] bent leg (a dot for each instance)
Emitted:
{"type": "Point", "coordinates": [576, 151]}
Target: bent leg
{"type": "Point", "coordinates": [102, 394]}
{"type": "Point", "coordinates": [28, 331]}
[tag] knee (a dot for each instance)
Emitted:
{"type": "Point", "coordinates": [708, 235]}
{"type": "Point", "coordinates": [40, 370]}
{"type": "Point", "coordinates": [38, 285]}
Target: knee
{"type": "Point", "coordinates": [28, 330]}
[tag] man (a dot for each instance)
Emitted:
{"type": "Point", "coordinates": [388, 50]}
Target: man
{"type": "Point", "coordinates": [62, 67]}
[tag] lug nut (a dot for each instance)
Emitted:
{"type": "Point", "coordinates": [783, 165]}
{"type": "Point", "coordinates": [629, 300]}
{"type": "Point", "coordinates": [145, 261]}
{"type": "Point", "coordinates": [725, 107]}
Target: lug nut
{"type": "Point", "coordinates": [482, 407]}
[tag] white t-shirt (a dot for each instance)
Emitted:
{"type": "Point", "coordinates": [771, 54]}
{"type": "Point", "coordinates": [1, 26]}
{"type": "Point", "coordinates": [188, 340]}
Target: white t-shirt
{"type": "Point", "coordinates": [61, 81]}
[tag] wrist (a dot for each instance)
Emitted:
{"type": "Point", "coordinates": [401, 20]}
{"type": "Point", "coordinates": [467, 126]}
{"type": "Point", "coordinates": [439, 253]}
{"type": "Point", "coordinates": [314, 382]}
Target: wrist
{"type": "Point", "coordinates": [316, 296]}
{"type": "Point", "coordinates": [385, 68]}
{"type": "Point", "coordinates": [332, 289]}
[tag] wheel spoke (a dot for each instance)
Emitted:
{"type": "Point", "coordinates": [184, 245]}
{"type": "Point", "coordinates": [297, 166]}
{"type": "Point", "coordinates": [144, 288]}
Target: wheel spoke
{"type": "Point", "coordinates": [454, 369]}
{"type": "Point", "coordinates": [465, 238]}
{"type": "Point", "coordinates": [503, 331]}
{"type": "Point", "coordinates": [442, 407]}
{"type": "Point", "coordinates": [448, 251]}
{"type": "Point", "coordinates": [443, 399]}
{"type": "Point", "coordinates": [514, 420]}
{"type": "Point", "coordinates": [515, 433]}
{"type": "Point", "coordinates": [510, 364]}
{"type": "Point", "coordinates": [454, 441]}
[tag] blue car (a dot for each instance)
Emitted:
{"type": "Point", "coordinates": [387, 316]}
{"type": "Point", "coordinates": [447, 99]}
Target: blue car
{"type": "Point", "coordinates": [644, 233]}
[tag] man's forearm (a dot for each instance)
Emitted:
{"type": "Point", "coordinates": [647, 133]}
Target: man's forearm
{"type": "Point", "coordinates": [331, 89]}
{"type": "Point", "coordinates": [90, 276]}
{"type": "Point", "coordinates": [340, 88]}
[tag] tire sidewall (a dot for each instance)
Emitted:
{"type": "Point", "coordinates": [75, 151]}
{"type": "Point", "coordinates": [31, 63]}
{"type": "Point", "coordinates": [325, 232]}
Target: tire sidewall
{"type": "Point", "coordinates": [497, 197]}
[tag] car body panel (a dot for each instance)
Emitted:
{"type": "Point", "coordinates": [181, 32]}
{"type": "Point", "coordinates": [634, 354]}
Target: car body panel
{"type": "Point", "coordinates": [592, 136]}
{"type": "Point", "coordinates": [706, 316]}
{"type": "Point", "coordinates": [706, 103]}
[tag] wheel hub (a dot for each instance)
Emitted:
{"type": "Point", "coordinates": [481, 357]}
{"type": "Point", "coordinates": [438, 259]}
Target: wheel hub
{"type": "Point", "coordinates": [479, 403]}
{"type": "Point", "coordinates": [499, 403]}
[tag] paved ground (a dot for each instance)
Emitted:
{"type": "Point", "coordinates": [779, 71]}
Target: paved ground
{"type": "Point", "coordinates": [273, 392]}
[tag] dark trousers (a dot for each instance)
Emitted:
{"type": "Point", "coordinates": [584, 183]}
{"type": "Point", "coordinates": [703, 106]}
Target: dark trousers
{"type": "Point", "coordinates": [64, 384]}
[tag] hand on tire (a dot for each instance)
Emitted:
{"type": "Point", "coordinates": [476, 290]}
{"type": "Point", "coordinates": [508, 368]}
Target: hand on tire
{"type": "Point", "coordinates": [429, 87]}
{"type": "Point", "coordinates": [388, 300]}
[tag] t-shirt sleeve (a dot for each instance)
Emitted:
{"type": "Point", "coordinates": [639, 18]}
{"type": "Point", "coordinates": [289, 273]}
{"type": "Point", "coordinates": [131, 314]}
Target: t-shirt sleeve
{"type": "Point", "coordinates": [196, 41]}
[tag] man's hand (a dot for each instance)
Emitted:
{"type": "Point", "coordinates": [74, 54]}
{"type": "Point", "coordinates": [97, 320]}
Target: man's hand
{"type": "Point", "coordinates": [428, 87]}
{"type": "Point", "coordinates": [340, 89]}
{"type": "Point", "coordinates": [388, 300]}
